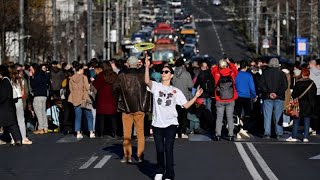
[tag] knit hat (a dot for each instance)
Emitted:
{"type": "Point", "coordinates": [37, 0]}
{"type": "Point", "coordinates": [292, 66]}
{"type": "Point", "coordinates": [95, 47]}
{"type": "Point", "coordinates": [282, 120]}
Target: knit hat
{"type": "Point", "coordinates": [274, 62]}
{"type": "Point", "coordinates": [133, 61]}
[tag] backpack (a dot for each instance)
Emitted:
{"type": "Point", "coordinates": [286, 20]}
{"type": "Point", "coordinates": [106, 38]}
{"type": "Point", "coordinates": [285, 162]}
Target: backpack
{"type": "Point", "coordinates": [225, 88]}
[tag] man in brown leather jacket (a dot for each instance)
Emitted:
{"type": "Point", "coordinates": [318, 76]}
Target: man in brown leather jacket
{"type": "Point", "coordinates": [134, 101]}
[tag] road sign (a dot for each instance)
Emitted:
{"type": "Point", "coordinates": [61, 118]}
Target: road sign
{"type": "Point", "coordinates": [265, 43]}
{"type": "Point", "coordinates": [302, 46]}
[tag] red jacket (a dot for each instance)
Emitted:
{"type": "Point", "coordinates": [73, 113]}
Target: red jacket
{"type": "Point", "coordinates": [106, 102]}
{"type": "Point", "coordinates": [225, 72]}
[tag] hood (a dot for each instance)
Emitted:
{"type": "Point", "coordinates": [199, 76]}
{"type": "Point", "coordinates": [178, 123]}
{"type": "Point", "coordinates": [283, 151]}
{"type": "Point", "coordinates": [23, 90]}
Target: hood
{"type": "Point", "coordinates": [225, 71]}
{"type": "Point", "coordinates": [178, 71]}
{"type": "Point", "coordinates": [77, 78]}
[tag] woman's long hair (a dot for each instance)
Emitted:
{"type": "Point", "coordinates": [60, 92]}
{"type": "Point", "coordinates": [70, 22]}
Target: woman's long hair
{"type": "Point", "coordinates": [14, 75]}
{"type": "Point", "coordinates": [109, 75]}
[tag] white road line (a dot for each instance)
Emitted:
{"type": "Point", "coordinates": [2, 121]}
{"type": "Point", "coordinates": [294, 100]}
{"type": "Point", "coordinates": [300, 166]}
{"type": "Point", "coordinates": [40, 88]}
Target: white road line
{"type": "Point", "coordinates": [102, 161]}
{"type": "Point", "coordinates": [213, 26]}
{"type": "Point", "coordinates": [252, 170]}
{"type": "Point", "coordinates": [89, 162]}
{"type": "Point", "coordinates": [266, 169]}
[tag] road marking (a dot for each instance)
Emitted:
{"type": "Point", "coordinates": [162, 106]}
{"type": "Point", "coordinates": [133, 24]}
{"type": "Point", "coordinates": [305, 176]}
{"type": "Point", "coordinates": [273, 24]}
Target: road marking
{"type": "Point", "coordinates": [89, 162]}
{"type": "Point", "coordinates": [102, 161]}
{"type": "Point", "coordinates": [264, 166]}
{"type": "Point", "coordinates": [213, 26]}
{"type": "Point", "coordinates": [247, 161]}
{"type": "Point", "coordinates": [315, 157]}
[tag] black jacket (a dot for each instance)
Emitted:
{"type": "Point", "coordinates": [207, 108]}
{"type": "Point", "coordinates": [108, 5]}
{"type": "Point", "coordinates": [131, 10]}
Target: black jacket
{"type": "Point", "coordinates": [7, 106]}
{"type": "Point", "coordinates": [273, 80]}
{"type": "Point", "coordinates": [39, 84]}
{"type": "Point", "coordinates": [206, 82]}
{"type": "Point", "coordinates": [308, 101]}
{"type": "Point", "coordinates": [131, 91]}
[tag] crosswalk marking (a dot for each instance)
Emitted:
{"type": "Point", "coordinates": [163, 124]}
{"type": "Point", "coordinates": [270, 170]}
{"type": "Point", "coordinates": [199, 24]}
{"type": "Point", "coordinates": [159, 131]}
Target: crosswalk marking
{"type": "Point", "coordinates": [102, 161]}
{"type": "Point", "coordinates": [89, 162]}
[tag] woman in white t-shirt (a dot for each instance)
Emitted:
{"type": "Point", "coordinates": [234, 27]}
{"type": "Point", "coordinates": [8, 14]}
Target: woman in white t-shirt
{"type": "Point", "coordinates": [165, 117]}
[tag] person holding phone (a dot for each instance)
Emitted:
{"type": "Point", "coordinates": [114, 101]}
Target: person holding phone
{"type": "Point", "coordinates": [165, 117]}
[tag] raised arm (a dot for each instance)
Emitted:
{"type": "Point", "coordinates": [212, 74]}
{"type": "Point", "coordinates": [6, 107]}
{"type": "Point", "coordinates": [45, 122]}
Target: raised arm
{"type": "Point", "coordinates": [146, 74]}
{"type": "Point", "coordinates": [198, 94]}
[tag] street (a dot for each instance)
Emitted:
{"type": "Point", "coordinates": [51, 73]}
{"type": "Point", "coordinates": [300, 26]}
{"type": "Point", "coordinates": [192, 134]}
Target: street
{"type": "Point", "coordinates": [55, 156]}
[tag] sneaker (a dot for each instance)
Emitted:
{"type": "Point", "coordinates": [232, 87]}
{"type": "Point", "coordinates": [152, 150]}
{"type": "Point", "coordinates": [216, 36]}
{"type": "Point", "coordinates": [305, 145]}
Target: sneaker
{"type": "Point", "coordinates": [244, 133]}
{"type": "Point", "coordinates": [79, 136]}
{"type": "Point", "coordinates": [2, 142]}
{"type": "Point", "coordinates": [239, 136]}
{"type": "Point", "coordinates": [218, 138]}
{"type": "Point", "coordinates": [158, 177]}
{"type": "Point", "coordinates": [184, 136]}
{"type": "Point", "coordinates": [266, 137]}
{"type": "Point", "coordinates": [285, 124]}
{"type": "Point", "coordinates": [126, 160]}
{"type": "Point", "coordinates": [141, 158]}
{"type": "Point", "coordinates": [26, 141]}
{"type": "Point", "coordinates": [290, 139]}
{"type": "Point", "coordinates": [92, 135]}
{"type": "Point", "coordinates": [39, 131]}
{"type": "Point", "coordinates": [177, 136]}
{"type": "Point", "coordinates": [313, 133]}
{"type": "Point", "coordinates": [230, 138]}
{"type": "Point", "coordinates": [305, 140]}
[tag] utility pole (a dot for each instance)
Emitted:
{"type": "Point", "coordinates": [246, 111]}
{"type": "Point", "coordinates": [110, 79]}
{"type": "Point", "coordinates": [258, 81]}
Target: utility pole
{"type": "Point", "coordinates": [122, 19]}
{"type": "Point", "coordinates": [298, 24]}
{"type": "Point", "coordinates": [75, 30]}
{"type": "Point", "coordinates": [104, 30]}
{"type": "Point", "coordinates": [117, 24]}
{"type": "Point", "coordinates": [257, 26]}
{"type": "Point", "coordinates": [131, 13]}
{"type": "Point", "coordinates": [252, 37]}
{"type": "Point", "coordinates": [278, 27]}
{"type": "Point", "coordinates": [127, 19]}
{"type": "Point", "coordinates": [54, 36]}
{"type": "Point", "coordinates": [287, 26]}
{"type": "Point", "coordinates": [108, 29]}
{"type": "Point", "coordinates": [89, 31]}
{"type": "Point", "coordinates": [21, 33]}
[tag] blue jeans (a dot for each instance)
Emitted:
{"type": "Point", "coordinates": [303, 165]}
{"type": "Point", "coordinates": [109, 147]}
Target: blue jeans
{"type": "Point", "coordinates": [207, 103]}
{"type": "Point", "coordinates": [275, 106]}
{"type": "Point", "coordinates": [78, 117]}
{"type": "Point", "coordinates": [164, 139]}
{"type": "Point", "coordinates": [296, 123]}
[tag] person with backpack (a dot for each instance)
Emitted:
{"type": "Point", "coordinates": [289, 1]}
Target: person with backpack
{"type": "Point", "coordinates": [206, 82]}
{"type": "Point", "coordinates": [225, 93]}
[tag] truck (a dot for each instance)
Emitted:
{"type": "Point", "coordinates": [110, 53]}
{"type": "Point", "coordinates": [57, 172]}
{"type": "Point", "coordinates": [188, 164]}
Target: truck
{"type": "Point", "coordinates": [165, 50]}
{"type": "Point", "coordinates": [163, 31]}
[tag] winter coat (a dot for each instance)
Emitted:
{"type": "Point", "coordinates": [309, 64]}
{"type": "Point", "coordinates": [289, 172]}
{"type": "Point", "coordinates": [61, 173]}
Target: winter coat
{"type": "Point", "coordinates": [183, 81]}
{"type": "Point", "coordinates": [245, 85]}
{"type": "Point", "coordinates": [308, 101]}
{"type": "Point", "coordinates": [216, 73]}
{"type": "Point", "coordinates": [7, 105]}
{"type": "Point", "coordinates": [131, 91]}
{"type": "Point", "coordinates": [315, 76]}
{"type": "Point", "coordinates": [39, 84]}
{"type": "Point", "coordinates": [206, 82]}
{"type": "Point", "coordinates": [79, 89]}
{"type": "Point", "coordinates": [106, 102]}
{"type": "Point", "coordinates": [57, 77]}
{"type": "Point", "coordinates": [273, 80]}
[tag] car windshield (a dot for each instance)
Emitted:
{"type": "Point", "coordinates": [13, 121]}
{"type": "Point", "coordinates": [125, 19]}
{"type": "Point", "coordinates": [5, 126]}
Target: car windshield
{"type": "Point", "coordinates": [164, 55]}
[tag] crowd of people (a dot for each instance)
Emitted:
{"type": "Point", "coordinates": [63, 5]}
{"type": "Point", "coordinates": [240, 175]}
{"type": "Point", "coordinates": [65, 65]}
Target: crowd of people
{"type": "Point", "coordinates": [166, 101]}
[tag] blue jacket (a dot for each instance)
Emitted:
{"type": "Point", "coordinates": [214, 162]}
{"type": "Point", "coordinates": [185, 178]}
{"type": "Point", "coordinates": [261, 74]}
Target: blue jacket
{"type": "Point", "coordinates": [245, 85]}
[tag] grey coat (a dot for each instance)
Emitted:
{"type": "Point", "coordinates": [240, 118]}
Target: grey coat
{"type": "Point", "coordinates": [183, 81]}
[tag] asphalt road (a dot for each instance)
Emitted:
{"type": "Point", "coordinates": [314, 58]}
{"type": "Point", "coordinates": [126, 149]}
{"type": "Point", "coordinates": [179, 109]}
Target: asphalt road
{"type": "Point", "coordinates": [217, 36]}
{"type": "Point", "coordinates": [55, 156]}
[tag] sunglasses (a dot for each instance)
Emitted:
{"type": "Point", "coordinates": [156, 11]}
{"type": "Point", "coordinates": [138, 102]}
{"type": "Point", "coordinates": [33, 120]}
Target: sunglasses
{"type": "Point", "coordinates": [166, 72]}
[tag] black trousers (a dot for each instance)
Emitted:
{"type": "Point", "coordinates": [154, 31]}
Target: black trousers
{"type": "Point", "coordinates": [182, 119]}
{"type": "Point", "coordinates": [164, 139]}
{"type": "Point", "coordinates": [315, 123]}
{"type": "Point", "coordinates": [243, 104]}
{"type": "Point", "coordinates": [106, 123]}
{"type": "Point", "coordinates": [14, 131]}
